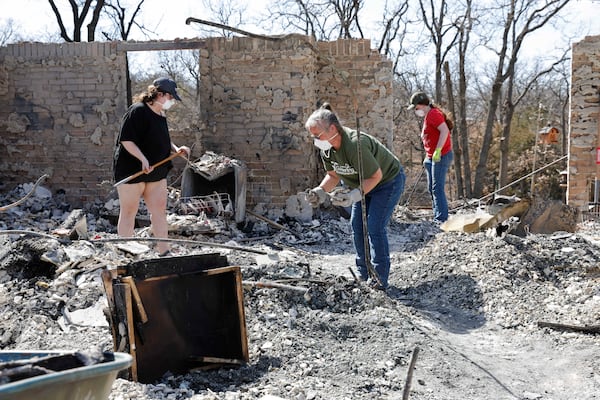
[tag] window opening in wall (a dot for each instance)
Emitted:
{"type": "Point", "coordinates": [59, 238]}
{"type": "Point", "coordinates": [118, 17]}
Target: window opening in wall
{"type": "Point", "coordinates": [183, 67]}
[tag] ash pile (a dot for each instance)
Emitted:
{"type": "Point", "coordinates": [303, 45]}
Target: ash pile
{"type": "Point", "coordinates": [479, 307]}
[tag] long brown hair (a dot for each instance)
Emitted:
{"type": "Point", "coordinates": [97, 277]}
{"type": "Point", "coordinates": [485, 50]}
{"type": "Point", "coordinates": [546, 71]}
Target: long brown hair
{"type": "Point", "coordinates": [447, 116]}
{"type": "Point", "coordinates": [423, 99]}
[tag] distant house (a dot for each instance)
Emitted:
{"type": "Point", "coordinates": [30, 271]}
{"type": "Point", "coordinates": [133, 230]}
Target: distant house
{"type": "Point", "coordinates": [548, 135]}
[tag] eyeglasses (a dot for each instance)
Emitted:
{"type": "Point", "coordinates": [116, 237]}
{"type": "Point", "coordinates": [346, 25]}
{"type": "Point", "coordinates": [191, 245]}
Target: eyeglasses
{"type": "Point", "coordinates": [320, 134]}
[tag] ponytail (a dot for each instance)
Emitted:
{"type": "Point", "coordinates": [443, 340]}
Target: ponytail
{"type": "Point", "coordinates": [324, 117]}
{"type": "Point", "coordinates": [447, 116]}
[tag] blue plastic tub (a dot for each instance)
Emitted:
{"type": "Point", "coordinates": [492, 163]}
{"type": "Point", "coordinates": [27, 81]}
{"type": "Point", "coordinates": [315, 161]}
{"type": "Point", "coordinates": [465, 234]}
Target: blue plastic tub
{"type": "Point", "coordinates": [92, 382]}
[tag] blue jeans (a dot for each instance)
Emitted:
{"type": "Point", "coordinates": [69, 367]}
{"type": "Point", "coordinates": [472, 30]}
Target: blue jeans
{"type": "Point", "coordinates": [380, 203]}
{"type": "Point", "coordinates": [436, 184]}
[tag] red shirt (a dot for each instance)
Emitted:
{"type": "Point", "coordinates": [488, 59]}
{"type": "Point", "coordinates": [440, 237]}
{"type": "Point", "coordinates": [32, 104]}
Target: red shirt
{"type": "Point", "coordinates": [431, 134]}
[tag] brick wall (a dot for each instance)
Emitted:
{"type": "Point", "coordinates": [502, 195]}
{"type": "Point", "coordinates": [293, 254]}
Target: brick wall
{"type": "Point", "coordinates": [61, 106]}
{"type": "Point", "coordinates": [584, 135]}
{"type": "Point", "coordinates": [260, 93]}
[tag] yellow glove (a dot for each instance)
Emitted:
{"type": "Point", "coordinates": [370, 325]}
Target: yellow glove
{"type": "Point", "coordinates": [437, 155]}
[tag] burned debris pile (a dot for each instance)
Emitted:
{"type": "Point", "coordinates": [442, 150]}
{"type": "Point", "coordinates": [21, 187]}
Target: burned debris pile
{"type": "Point", "coordinates": [484, 310]}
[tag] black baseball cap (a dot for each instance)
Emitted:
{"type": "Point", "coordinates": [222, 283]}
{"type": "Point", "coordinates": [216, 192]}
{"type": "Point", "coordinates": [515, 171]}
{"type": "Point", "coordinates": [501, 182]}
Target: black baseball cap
{"type": "Point", "coordinates": [167, 85]}
{"type": "Point", "coordinates": [418, 98]}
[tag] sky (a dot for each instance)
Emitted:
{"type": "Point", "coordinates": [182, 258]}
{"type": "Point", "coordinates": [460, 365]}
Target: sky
{"type": "Point", "coordinates": [33, 19]}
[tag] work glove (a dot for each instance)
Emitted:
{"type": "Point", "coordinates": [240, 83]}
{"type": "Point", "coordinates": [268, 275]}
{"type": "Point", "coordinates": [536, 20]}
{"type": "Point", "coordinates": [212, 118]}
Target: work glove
{"type": "Point", "coordinates": [316, 196]}
{"type": "Point", "coordinates": [437, 155]}
{"type": "Point", "coordinates": [345, 198]}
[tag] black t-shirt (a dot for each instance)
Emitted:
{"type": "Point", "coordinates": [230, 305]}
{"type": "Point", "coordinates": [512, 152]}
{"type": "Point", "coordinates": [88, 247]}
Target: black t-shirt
{"type": "Point", "coordinates": [149, 131]}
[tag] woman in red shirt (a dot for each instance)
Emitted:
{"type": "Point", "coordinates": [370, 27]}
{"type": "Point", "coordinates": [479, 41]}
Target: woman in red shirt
{"type": "Point", "coordinates": [438, 148]}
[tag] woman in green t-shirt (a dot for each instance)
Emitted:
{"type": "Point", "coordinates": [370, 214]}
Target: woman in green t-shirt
{"type": "Point", "coordinates": [383, 181]}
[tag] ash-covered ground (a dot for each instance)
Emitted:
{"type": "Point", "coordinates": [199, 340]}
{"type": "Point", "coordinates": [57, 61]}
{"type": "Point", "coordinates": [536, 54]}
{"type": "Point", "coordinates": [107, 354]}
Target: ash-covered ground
{"type": "Point", "coordinates": [472, 311]}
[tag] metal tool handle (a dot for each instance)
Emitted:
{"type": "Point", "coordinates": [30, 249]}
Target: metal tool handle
{"type": "Point", "coordinates": [367, 248]}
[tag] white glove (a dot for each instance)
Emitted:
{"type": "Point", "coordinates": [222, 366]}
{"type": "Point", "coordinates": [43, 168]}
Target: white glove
{"type": "Point", "coordinates": [345, 198]}
{"type": "Point", "coordinates": [316, 196]}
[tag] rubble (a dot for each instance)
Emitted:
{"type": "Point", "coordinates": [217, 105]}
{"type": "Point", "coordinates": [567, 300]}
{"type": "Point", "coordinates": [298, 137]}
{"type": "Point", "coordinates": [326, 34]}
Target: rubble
{"type": "Point", "coordinates": [519, 216]}
{"type": "Point", "coordinates": [478, 306]}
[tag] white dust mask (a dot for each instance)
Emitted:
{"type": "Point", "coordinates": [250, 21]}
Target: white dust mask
{"type": "Point", "coordinates": [322, 144]}
{"type": "Point", "coordinates": [420, 112]}
{"type": "Point", "coordinates": [168, 104]}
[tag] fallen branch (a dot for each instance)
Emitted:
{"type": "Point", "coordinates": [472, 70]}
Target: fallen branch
{"type": "Point", "coordinates": [275, 224]}
{"type": "Point", "coordinates": [572, 328]}
{"type": "Point", "coordinates": [236, 30]}
{"type": "Point", "coordinates": [16, 203]}
{"type": "Point", "coordinates": [22, 232]}
{"type": "Point", "coordinates": [195, 242]}
{"type": "Point", "coordinates": [275, 286]}
{"type": "Point", "coordinates": [411, 368]}
{"type": "Point", "coordinates": [308, 280]}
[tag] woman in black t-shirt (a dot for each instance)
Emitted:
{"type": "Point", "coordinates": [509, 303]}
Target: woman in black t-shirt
{"type": "Point", "coordinates": [143, 141]}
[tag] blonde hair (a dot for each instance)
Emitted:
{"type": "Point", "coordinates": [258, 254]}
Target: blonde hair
{"type": "Point", "coordinates": [148, 96]}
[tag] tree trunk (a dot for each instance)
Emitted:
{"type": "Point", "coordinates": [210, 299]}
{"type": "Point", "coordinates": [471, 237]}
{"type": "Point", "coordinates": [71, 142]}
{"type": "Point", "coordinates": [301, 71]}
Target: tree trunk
{"type": "Point", "coordinates": [455, 145]}
{"type": "Point", "coordinates": [505, 146]}
{"type": "Point", "coordinates": [461, 120]}
{"type": "Point", "coordinates": [481, 169]}
{"type": "Point", "coordinates": [95, 17]}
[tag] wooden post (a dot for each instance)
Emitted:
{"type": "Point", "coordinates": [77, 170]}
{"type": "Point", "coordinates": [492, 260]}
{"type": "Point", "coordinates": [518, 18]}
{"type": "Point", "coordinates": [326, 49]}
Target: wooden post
{"type": "Point", "coordinates": [125, 324]}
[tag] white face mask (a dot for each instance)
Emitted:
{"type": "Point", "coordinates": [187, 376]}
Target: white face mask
{"type": "Point", "coordinates": [420, 112]}
{"type": "Point", "coordinates": [168, 104]}
{"type": "Point", "coordinates": [324, 144]}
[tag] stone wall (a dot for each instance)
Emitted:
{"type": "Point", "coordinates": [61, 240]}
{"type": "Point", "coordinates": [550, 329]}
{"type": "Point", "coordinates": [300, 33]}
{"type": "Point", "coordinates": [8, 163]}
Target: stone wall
{"type": "Point", "coordinates": [584, 135]}
{"type": "Point", "coordinates": [61, 106]}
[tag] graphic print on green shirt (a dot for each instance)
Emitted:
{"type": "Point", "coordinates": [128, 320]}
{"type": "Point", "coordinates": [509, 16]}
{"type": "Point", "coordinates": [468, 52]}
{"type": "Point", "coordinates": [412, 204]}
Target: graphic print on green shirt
{"type": "Point", "coordinates": [344, 161]}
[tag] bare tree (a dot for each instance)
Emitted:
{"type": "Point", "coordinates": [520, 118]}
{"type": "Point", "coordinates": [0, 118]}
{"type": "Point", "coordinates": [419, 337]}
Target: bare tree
{"type": "Point", "coordinates": [322, 19]}
{"type": "Point", "coordinates": [521, 18]}
{"type": "Point", "coordinates": [511, 101]}
{"type": "Point", "coordinates": [347, 12]}
{"type": "Point", "coordinates": [184, 67]}
{"type": "Point", "coordinates": [79, 12]}
{"type": "Point", "coordinates": [123, 23]}
{"type": "Point", "coordinates": [7, 32]}
{"type": "Point", "coordinates": [393, 32]}
{"type": "Point", "coordinates": [558, 87]}
{"type": "Point", "coordinates": [303, 16]}
{"type": "Point", "coordinates": [462, 160]}
{"type": "Point", "coordinates": [434, 18]}
{"type": "Point", "coordinates": [229, 13]}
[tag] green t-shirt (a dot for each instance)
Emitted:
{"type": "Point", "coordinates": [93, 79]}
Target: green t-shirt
{"type": "Point", "coordinates": [344, 161]}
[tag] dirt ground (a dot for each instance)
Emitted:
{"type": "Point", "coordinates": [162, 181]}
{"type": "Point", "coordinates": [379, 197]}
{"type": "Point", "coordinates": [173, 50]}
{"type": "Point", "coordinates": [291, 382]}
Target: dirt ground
{"type": "Point", "coordinates": [468, 310]}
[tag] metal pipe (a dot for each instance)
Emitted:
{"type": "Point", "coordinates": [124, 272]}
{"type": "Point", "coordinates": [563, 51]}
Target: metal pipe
{"type": "Point", "coordinates": [367, 248]}
{"type": "Point", "coordinates": [523, 177]}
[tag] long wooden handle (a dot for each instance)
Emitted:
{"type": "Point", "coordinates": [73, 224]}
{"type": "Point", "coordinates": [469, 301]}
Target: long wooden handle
{"type": "Point", "coordinates": [172, 156]}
